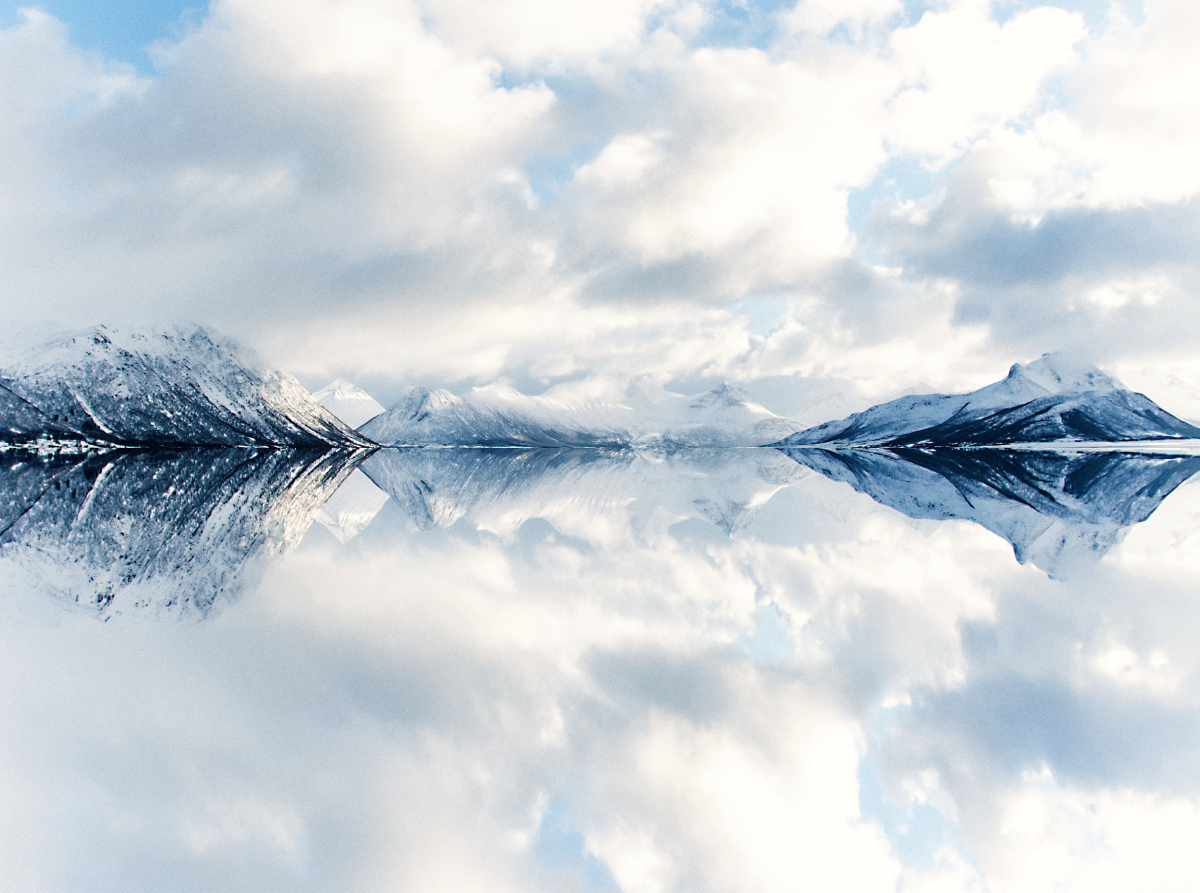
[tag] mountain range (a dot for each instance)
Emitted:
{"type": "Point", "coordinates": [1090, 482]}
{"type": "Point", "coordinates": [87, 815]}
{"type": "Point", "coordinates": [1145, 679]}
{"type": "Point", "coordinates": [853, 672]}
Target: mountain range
{"type": "Point", "coordinates": [152, 469]}
{"type": "Point", "coordinates": [187, 387]}
{"type": "Point", "coordinates": [497, 416]}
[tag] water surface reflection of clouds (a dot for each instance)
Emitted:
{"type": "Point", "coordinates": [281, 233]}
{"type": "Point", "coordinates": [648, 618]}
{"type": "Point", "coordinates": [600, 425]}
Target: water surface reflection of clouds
{"type": "Point", "coordinates": [597, 686]}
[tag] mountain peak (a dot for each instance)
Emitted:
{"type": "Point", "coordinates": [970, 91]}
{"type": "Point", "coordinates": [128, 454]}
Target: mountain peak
{"type": "Point", "coordinates": [1059, 372]}
{"type": "Point", "coordinates": [348, 402]}
{"type": "Point", "coordinates": [1056, 398]}
{"type": "Point", "coordinates": [174, 386]}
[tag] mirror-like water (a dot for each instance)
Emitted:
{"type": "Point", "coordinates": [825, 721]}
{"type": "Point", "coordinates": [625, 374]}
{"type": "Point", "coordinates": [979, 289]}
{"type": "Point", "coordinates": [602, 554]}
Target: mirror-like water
{"type": "Point", "coordinates": [598, 670]}
{"type": "Point", "coordinates": [175, 529]}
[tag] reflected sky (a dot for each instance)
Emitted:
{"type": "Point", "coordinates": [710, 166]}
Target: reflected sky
{"type": "Point", "coordinates": [604, 670]}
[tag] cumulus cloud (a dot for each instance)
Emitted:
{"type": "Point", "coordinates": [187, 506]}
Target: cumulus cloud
{"type": "Point", "coordinates": [420, 167]}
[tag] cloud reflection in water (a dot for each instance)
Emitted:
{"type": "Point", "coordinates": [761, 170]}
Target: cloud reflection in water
{"type": "Point", "coordinates": [558, 669]}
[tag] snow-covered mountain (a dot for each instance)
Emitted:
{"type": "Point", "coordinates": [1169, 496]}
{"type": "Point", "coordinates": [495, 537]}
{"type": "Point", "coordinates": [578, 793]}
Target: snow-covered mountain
{"type": "Point", "coordinates": [161, 531]}
{"type": "Point", "coordinates": [497, 416]}
{"type": "Point", "coordinates": [177, 387]}
{"type": "Point", "coordinates": [612, 489]}
{"type": "Point", "coordinates": [1057, 509]}
{"type": "Point", "coordinates": [1052, 399]}
{"type": "Point", "coordinates": [348, 402]}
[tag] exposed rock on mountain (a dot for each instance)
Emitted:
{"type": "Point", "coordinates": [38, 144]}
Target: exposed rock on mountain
{"type": "Point", "coordinates": [1050, 400]}
{"type": "Point", "coordinates": [176, 388]}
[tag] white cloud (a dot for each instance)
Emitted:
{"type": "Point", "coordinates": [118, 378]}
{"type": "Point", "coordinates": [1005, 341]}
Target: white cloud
{"type": "Point", "coordinates": [1128, 129]}
{"type": "Point", "coordinates": [969, 74]}
{"type": "Point", "coordinates": [822, 16]}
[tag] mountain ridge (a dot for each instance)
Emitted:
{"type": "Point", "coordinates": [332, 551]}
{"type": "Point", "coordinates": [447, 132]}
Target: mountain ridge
{"type": "Point", "coordinates": [176, 387]}
{"type": "Point", "coordinates": [1051, 400]}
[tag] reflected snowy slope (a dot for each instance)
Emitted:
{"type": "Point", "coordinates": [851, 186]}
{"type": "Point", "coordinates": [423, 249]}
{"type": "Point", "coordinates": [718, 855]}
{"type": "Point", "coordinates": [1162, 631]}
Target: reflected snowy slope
{"type": "Point", "coordinates": [165, 531]}
{"type": "Point", "coordinates": [1055, 508]}
{"type": "Point", "coordinates": [501, 488]}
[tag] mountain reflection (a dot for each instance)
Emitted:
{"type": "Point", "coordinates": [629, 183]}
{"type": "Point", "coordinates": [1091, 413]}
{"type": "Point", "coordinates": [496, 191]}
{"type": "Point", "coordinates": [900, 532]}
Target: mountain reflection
{"type": "Point", "coordinates": [506, 486]}
{"type": "Point", "coordinates": [174, 531]}
{"type": "Point", "coordinates": [161, 530]}
{"type": "Point", "coordinates": [1055, 508]}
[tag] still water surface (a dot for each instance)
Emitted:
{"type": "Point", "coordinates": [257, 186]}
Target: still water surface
{"type": "Point", "coordinates": [599, 670]}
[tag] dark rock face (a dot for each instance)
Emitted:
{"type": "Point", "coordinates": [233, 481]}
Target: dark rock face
{"type": "Point", "coordinates": [1113, 417]}
{"type": "Point", "coordinates": [176, 388]}
{"type": "Point", "coordinates": [1038, 403]}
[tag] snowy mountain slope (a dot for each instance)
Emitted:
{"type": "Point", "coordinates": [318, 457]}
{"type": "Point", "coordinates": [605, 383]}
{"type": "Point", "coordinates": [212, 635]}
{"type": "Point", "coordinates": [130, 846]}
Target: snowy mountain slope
{"type": "Point", "coordinates": [1057, 509]}
{"type": "Point", "coordinates": [497, 416]}
{"type": "Point", "coordinates": [348, 402]}
{"type": "Point", "coordinates": [179, 387]}
{"type": "Point", "coordinates": [1051, 399]}
{"type": "Point", "coordinates": [616, 489]}
{"type": "Point", "coordinates": [161, 531]}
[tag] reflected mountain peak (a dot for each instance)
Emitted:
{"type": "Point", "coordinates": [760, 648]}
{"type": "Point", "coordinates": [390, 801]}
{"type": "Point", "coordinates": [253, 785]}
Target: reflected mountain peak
{"type": "Point", "coordinates": [1057, 509]}
{"type": "Point", "coordinates": [504, 487]}
{"type": "Point", "coordinates": [169, 532]}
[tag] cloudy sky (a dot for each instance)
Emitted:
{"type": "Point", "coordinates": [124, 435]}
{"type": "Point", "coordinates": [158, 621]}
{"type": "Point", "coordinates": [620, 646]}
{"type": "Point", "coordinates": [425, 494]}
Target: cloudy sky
{"type": "Point", "coordinates": [829, 202]}
{"type": "Point", "coordinates": [887, 193]}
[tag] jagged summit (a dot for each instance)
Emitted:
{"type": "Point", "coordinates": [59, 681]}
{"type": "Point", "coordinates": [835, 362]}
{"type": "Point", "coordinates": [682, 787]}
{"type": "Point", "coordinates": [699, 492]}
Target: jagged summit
{"type": "Point", "coordinates": [178, 387]}
{"type": "Point", "coordinates": [348, 402]}
{"type": "Point", "coordinates": [1057, 372]}
{"type": "Point", "coordinates": [1054, 399]}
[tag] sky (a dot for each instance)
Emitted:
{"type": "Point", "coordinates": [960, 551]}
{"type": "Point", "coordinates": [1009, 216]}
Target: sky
{"type": "Point", "coordinates": [865, 196]}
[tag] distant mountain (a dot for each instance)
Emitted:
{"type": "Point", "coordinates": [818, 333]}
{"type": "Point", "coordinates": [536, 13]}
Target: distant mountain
{"type": "Point", "coordinates": [501, 417]}
{"type": "Point", "coordinates": [1050, 400]}
{"type": "Point", "coordinates": [182, 387]}
{"type": "Point", "coordinates": [1057, 509]}
{"type": "Point", "coordinates": [348, 402]}
{"type": "Point", "coordinates": [161, 531]}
